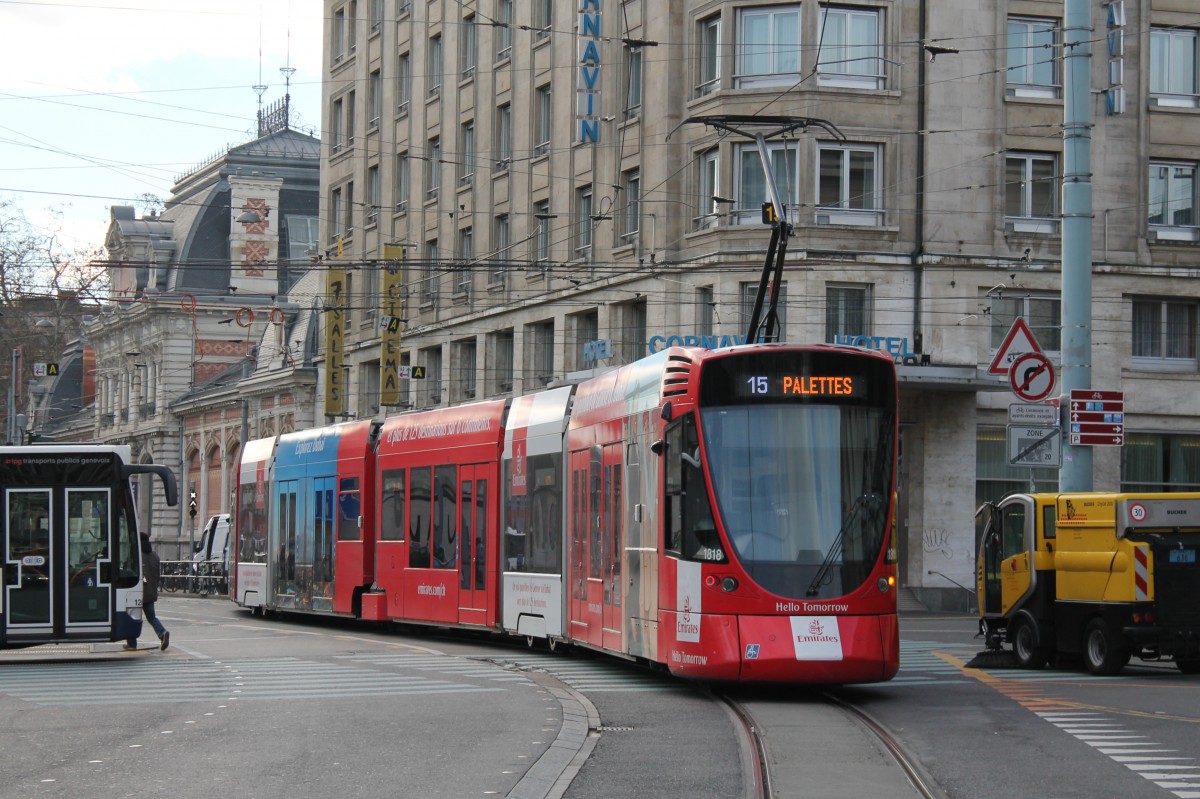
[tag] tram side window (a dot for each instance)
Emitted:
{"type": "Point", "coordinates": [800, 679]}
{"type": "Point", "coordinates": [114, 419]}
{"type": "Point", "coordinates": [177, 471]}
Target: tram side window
{"type": "Point", "coordinates": [421, 484]}
{"type": "Point", "coordinates": [29, 524]}
{"type": "Point", "coordinates": [445, 518]}
{"type": "Point", "coordinates": [533, 516]}
{"type": "Point", "coordinates": [392, 506]}
{"type": "Point", "coordinates": [691, 530]}
{"type": "Point", "coordinates": [349, 509]}
{"type": "Point", "coordinates": [252, 523]}
{"type": "Point", "coordinates": [87, 526]}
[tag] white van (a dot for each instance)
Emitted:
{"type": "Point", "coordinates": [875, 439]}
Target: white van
{"type": "Point", "coordinates": [211, 557]}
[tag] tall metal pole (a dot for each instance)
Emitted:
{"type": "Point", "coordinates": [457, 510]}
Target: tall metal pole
{"type": "Point", "coordinates": [1076, 472]}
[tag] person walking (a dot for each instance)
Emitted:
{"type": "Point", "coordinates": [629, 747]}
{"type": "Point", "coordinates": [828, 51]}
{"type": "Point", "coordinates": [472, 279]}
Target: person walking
{"type": "Point", "coordinates": [150, 569]}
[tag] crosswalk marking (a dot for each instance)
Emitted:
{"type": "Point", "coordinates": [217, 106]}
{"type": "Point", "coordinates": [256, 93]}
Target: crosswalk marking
{"type": "Point", "coordinates": [589, 676]}
{"type": "Point", "coordinates": [146, 682]}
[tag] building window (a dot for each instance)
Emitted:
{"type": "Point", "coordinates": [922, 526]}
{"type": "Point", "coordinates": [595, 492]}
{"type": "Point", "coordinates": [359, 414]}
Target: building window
{"type": "Point", "coordinates": [368, 389]}
{"type": "Point", "coordinates": [373, 189]}
{"type": "Point", "coordinates": [338, 37]}
{"type": "Point", "coordinates": [631, 217]}
{"type": "Point", "coordinates": [403, 83]}
{"type": "Point", "coordinates": [352, 27]}
{"type": "Point", "coordinates": [401, 181]}
{"type": "Point", "coordinates": [543, 18]}
{"type": "Point", "coordinates": [500, 347]}
{"type": "Point", "coordinates": [1174, 66]}
{"type": "Point", "coordinates": [705, 311]}
{"type": "Point", "coordinates": [1173, 201]}
{"type": "Point", "coordinates": [851, 48]}
{"type": "Point", "coordinates": [374, 98]}
{"type": "Point", "coordinates": [633, 330]}
{"type": "Point", "coordinates": [464, 267]}
{"type": "Point", "coordinates": [464, 368]}
{"type": "Point", "coordinates": [541, 239]}
{"type": "Point", "coordinates": [1160, 462]}
{"type": "Point", "coordinates": [503, 137]}
{"type": "Point", "coordinates": [1031, 192]}
{"type": "Point", "coordinates": [335, 214]}
{"type": "Point", "coordinates": [1033, 57]}
{"type": "Point", "coordinates": [466, 48]}
{"type": "Point", "coordinates": [749, 292]}
{"type": "Point", "coordinates": [542, 120]}
{"type": "Point", "coordinates": [848, 185]}
{"type": "Point", "coordinates": [350, 120]}
{"type": "Point", "coordinates": [633, 84]}
{"type": "Point", "coordinates": [348, 226]}
{"type": "Point", "coordinates": [539, 344]}
{"type": "Point", "coordinates": [430, 273]}
{"type": "Point", "coordinates": [847, 312]}
{"type": "Point", "coordinates": [503, 29]}
{"type": "Point", "coordinates": [432, 356]}
{"type": "Point", "coordinates": [1164, 334]}
{"type": "Point", "coordinates": [376, 15]}
{"type": "Point", "coordinates": [433, 168]}
{"type": "Point", "coordinates": [303, 235]}
{"type": "Point", "coordinates": [751, 190]}
{"type": "Point", "coordinates": [583, 221]}
{"type": "Point", "coordinates": [337, 124]}
{"type": "Point", "coordinates": [501, 250]}
{"type": "Point", "coordinates": [466, 153]}
{"type": "Point", "coordinates": [708, 46]}
{"type": "Point", "coordinates": [1043, 315]}
{"type": "Point", "coordinates": [768, 46]}
{"type": "Point", "coordinates": [708, 188]}
{"type": "Point", "coordinates": [433, 66]}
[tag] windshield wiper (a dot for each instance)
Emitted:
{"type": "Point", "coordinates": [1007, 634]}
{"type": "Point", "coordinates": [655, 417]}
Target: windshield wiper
{"type": "Point", "coordinates": [835, 549]}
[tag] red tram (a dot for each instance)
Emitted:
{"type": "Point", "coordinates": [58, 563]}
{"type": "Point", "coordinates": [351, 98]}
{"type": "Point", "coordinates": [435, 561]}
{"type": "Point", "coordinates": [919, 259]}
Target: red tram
{"type": "Point", "coordinates": [727, 514]}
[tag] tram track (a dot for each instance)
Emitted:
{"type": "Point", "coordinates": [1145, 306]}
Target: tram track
{"type": "Point", "coordinates": [771, 745]}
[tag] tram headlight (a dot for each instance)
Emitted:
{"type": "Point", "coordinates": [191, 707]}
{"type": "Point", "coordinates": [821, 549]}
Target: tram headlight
{"type": "Point", "coordinates": [885, 584]}
{"type": "Point", "coordinates": [729, 584]}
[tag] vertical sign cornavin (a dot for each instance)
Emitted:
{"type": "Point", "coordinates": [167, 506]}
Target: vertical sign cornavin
{"type": "Point", "coordinates": [335, 323]}
{"type": "Point", "coordinates": [588, 86]}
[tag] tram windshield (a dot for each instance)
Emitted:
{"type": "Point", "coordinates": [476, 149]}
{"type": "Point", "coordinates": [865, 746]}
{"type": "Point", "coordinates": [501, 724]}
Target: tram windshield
{"type": "Point", "coordinates": [802, 488]}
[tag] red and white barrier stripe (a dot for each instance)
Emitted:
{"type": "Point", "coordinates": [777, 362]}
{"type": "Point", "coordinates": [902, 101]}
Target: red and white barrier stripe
{"type": "Point", "coordinates": [1141, 572]}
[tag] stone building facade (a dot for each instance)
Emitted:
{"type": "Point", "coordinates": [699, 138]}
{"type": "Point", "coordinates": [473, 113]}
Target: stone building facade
{"type": "Point", "coordinates": [575, 184]}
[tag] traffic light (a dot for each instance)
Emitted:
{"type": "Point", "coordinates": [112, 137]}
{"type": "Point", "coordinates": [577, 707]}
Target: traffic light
{"type": "Point", "coordinates": [192, 505]}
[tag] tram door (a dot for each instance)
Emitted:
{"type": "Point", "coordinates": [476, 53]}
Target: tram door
{"type": "Point", "coordinates": [587, 546]}
{"type": "Point", "coordinates": [473, 536]}
{"type": "Point", "coordinates": [612, 545]}
{"type": "Point", "coordinates": [57, 564]}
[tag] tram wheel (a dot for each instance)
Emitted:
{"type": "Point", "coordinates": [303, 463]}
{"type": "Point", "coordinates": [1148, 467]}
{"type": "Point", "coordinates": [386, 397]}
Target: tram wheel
{"type": "Point", "coordinates": [1189, 666]}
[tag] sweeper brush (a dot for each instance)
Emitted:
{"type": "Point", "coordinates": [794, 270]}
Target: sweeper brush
{"type": "Point", "coordinates": [994, 659]}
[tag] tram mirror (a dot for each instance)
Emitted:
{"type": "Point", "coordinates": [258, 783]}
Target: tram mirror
{"type": "Point", "coordinates": [658, 446]}
{"type": "Point", "coordinates": [667, 412]}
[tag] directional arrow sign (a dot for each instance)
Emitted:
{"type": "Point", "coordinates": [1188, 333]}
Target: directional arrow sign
{"type": "Point", "coordinates": [1097, 418]}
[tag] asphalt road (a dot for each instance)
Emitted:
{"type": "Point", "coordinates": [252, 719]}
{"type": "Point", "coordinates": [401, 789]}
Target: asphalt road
{"type": "Point", "coordinates": [297, 707]}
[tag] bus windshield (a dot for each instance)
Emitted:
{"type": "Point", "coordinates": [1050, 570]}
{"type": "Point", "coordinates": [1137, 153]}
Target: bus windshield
{"type": "Point", "coordinates": [802, 490]}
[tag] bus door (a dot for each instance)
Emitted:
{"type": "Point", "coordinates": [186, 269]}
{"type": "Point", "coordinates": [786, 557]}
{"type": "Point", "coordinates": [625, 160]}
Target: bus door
{"type": "Point", "coordinates": [612, 546]}
{"type": "Point", "coordinates": [474, 559]}
{"type": "Point", "coordinates": [57, 564]}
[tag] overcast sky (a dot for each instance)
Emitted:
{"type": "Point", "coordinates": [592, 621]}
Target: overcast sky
{"type": "Point", "coordinates": [102, 101]}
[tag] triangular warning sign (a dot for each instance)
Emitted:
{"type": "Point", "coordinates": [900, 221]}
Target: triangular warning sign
{"type": "Point", "coordinates": [1018, 342]}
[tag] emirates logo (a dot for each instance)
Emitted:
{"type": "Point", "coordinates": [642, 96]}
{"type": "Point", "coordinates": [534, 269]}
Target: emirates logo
{"type": "Point", "coordinates": [815, 628]}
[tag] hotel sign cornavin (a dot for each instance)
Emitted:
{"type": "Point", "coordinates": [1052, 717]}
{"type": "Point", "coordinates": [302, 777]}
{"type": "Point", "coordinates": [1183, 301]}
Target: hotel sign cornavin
{"type": "Point", "coordinates": [587, 87]}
